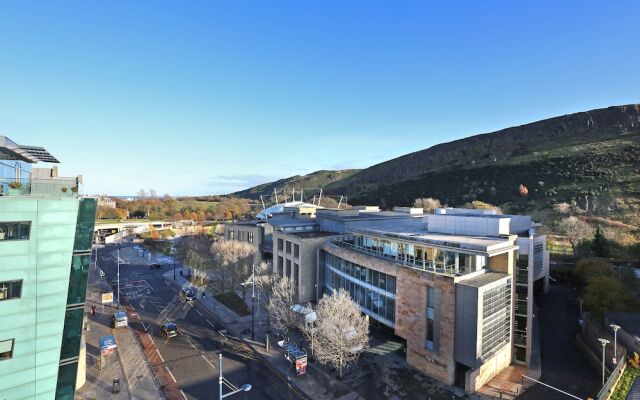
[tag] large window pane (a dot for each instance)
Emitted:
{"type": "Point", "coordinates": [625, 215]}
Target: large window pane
{"type": "Point", "coordinates": [78, 279]}
{"type": "Point", "coordinates": [72, 333]}
{"type": "Point", "coordinates": [391, 284]}
{"type": "Point", "coordinates": [84, 226]}
{"type": "Point", "coordinates": [15, 230]}
{"type": "Point", "coordinates": [10, 290]}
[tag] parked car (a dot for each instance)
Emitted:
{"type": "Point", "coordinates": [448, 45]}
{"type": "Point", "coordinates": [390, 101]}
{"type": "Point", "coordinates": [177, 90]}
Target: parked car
{"type": "Point", "coordinates": [155, 266]}
{"type": "Point", "coordinates": [119, 320]}
{"type": "Point", "coordinates": [189, 295]}
{"type": "Point", "coordinates": [169, 330]}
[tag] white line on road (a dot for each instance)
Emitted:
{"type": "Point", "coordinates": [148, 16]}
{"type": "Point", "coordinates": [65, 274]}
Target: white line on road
{"type": "Point", "coordinates": [199, 313]}
{"type": "Point", "coordinates": [209, 322]}
{"type": "Point", "coordinates": [205, 358]}
{"type": "Point", "coordinates": [160, 355]}
{"type": "Point", "coordinates": [184, 395]}
{"type": "Point", "coordinates": [143, 325]}
{"type": "Point", "coordinates": [150, 338]}
{"type": "Point", "coordinates": [172, 377]}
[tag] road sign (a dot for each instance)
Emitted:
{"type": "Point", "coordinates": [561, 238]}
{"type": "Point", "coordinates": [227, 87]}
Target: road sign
{"type": "Point", "coordinates": [107, 298]}
{"type": "Point", "coordinates": [107, 344]}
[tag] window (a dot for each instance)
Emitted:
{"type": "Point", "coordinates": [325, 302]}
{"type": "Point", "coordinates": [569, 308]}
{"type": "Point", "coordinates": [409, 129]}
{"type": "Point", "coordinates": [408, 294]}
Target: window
{"type": "Point", "coordinates": [6, 349]}
{"type": "Point", "coordinates": [280, 266]}
{"type": "Point", "coordinates": [288, 247]}
{"type": "Point", "coordinates": [10, 290]}
{"type": "Point", "coordinates": [15, 230]}
{"type": "Point", "coordinates": [296, 272]}
{"type": "Point", "coordinates": [280, 244]}
{"type": "Point", "coordinates": [288, 272]}
{"type": "Point", "coordinates": [250, 237]}
{"type": "Point", "coordinates": [431, 297]}
{"type": "Point", "coordinates": [296, 250]}
{"type": "Point", "coordinates": [232, 235]}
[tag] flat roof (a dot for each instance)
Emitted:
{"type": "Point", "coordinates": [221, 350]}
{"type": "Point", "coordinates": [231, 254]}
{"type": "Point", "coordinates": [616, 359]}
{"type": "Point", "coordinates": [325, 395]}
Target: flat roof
{"type": "Point", "coordinates": [367, 215]}
{"type": "Point", "coordinates": [421, 235]}
{"type": "Point", "coordinates": [291, 221]}
{"type": "Point", "coordinates": [311, 234]}
{"type": "Point", "coordinates": [483, 279]}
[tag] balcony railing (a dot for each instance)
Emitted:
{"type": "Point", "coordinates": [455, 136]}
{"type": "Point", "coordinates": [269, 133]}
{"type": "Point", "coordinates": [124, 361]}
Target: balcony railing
{"type": "Point", "coordinates": [449, 270]}
{"type": "Point", "coordinates": [55, 187]}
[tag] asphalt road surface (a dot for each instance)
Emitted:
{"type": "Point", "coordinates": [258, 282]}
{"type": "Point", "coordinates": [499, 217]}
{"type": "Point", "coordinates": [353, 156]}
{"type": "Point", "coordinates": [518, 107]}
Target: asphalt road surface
{"type": "Point", "coordinates": [563, 366]}
{"type": "Point", "coordinates": [191, 357]}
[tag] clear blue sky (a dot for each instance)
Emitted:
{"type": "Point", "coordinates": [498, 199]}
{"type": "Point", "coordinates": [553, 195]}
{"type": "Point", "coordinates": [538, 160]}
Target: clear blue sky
{"type": "Point", "coordinates": [208, 97]}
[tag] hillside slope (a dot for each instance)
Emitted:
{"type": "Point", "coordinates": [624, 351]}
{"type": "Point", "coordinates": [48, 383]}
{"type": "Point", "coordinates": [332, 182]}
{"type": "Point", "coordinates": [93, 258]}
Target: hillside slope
{"type": "Point", "coordinates": [494, 151]}
{"type": "Point", "coordinates": [313, 180]}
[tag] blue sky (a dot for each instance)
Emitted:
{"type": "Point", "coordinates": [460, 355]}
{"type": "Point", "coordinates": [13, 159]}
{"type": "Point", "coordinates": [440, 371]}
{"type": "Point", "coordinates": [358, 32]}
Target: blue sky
{"type": "Point", "coordinates": [209, 97]}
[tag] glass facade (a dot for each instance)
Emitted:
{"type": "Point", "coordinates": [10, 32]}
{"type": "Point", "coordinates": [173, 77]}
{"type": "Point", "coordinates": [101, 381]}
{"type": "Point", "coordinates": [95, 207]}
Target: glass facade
{"type": "Point", "coordinates": [78, 279]}
{"type": "Point", "coordinates": [430, 328]}
{"type": "Point", "coordinates": [65, 388]}
{"type": "Point", "coordinates": [84, 226]}
{"type": "Point", "coordinates": [72, 333]}
{"type": "Point", "coordinates": [424, 257]}
{"type": "Point", "coordinates": [373, 291]}
{"type": "Point", "coordinates": [14, 171]}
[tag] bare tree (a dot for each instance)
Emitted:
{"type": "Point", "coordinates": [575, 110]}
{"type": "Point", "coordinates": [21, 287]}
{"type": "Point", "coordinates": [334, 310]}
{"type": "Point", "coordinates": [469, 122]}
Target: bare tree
{"type": "Point", "coordinates": [427, 204]}
{"type": "Point", "coordinates": [562, 208]}
{"type": "Point", "coordinates": [341, 331]}
{"type": "Point", "coordinates": [575, 230]}
{"type": "Point", "coordinates": [283, 294]}
{"type": "Point", "coordinates": [232, 257]}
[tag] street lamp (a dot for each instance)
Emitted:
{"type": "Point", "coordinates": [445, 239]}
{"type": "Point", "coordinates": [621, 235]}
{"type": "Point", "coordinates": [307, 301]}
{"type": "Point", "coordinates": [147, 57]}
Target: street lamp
{"type": "Point", "coordinates": [604, 343]}
{"type": "Point", "coordinates": [118, 262]}
{"type": "Point", "coordinates": [615, 342]}
{"type": "Point", "coordinates": [245, 388]}
{"type": "Point", "coordinates": [173, 251]}
{"type": "Point", "coordinates": [253, 301]}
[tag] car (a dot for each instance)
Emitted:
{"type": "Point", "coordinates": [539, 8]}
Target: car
{"type": "Point", "coordinates": [169, 330]}
{"type": "Point", "coordinates": [189, 295]}
{"type": "Point", "coordinates": [155, 266]}
{"type": "Point", "coordinates": [119, 320]}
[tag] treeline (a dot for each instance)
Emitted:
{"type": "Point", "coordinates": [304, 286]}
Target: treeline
{"type": "Point", "coordinates": [149, 206]}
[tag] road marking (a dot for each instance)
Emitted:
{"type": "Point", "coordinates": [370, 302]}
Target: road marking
{"type": "Point", "coordinates": [184, 395]}
{"type": "Point", "coordinates": [172, 377]}
{"type": "Point", "coordinates": [205, 358]}
{"type": "Point", "coordinates": [209, 322]}
{"type": "Point", "coordinates": [199, 313]}
{"type": "Point", "coordinates": [150, 338]}
{"type": "Point", "coordinates": [143, 325]}
{"type": "Point", "coordinates": [160, 355]}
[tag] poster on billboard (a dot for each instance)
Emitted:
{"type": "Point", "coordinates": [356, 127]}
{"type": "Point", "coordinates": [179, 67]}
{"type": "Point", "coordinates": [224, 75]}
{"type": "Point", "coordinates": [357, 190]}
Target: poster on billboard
{"type": "Point", "coordinates": [301, 366]}
{"type": "Point", "coordinates": [107, 298]}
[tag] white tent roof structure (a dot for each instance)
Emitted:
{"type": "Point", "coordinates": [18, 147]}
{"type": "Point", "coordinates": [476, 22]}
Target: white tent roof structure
{"type": "Point", "coordinates": [278, 208]}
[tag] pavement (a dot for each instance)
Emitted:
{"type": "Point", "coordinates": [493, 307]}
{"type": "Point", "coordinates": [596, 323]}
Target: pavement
{"type": "Point", "coordinates": [127, 364]}
{"type": "Point", "coordinates": [185, 366]}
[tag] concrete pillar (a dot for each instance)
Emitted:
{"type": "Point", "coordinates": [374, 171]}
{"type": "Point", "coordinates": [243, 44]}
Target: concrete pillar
{"type": "Point", "coordinates": [81, 376]}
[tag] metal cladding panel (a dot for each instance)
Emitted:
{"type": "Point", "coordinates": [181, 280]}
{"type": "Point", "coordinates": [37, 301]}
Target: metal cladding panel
{"type": "Point", "coordinates": [466, 326]}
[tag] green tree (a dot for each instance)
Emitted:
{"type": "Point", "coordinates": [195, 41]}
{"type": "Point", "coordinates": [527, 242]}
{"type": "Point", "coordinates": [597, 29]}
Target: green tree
{"type": "Point", "coordinates": [589, 268]}
{"type": "Point", "coordinates": [600, 244]}
{"type": "Point", "coordinates": [604, 294]}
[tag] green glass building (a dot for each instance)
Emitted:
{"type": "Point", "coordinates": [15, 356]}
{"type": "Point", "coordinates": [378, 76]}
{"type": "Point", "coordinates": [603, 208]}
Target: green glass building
{"type": "Point", "coordinates": [46, 231]}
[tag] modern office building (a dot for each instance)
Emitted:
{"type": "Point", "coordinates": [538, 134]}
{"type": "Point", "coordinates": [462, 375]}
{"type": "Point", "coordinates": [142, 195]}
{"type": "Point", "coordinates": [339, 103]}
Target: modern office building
{"type": "Point", "coordinates": [458, 288]}
{"type": "Point", "coordinates": [46, 231]}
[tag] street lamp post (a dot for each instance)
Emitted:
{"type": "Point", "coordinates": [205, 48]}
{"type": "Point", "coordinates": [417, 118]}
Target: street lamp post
{"type": "Point", "coordinates": [118, 262]}
{"type": "Point", "coordinates": [173, 251]}
{"type": "Point", "coordinates": [604, 344]}
{"type": "Point", "coordinates": [253, 302]}
{"type": "Point", "coordinates": [244, 388]}
{"type": "Point", "coordinates": [615, 343]}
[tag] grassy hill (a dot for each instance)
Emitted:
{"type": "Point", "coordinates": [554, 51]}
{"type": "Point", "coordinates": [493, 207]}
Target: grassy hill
{"type": "Point", "coordinates": [590, 160]}
{"type": "Point", "coordinates": [313, 180]}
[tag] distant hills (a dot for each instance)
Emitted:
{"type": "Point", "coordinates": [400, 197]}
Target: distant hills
{"type": "Point", "coordinates": [590, 159]}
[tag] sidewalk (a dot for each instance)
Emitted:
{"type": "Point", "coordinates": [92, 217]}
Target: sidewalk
{"type": "Point", "coordinates": [127, 364]}
{"type": "Point", "coordinates": [382, 376]}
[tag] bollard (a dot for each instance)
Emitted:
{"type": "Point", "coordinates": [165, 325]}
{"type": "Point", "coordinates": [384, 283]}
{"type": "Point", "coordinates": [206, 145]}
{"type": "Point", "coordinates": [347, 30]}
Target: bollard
{"type": "Point", "coordinates": [116, 386]}
{"type": "Point", "coordinates": [266, 343]}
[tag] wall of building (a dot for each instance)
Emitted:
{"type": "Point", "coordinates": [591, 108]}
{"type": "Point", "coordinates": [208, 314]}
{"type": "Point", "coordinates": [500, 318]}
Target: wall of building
{"type": "Point", "coordinates": [36, 320]}
{"type": "Point", "coordinates": [241, 233]}
{"type": "Point", "coordinates": [477, 378]}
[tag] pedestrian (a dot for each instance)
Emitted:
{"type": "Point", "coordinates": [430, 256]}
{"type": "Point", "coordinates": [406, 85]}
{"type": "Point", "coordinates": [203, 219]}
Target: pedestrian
{"type": "Point", "coordinates": [93, 310]}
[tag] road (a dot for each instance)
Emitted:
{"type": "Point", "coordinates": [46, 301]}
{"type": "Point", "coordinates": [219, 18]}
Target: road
{"type": "Point", "coordinates": [191, 357]}
{"type": "Point", "coordinates": [563, 366]}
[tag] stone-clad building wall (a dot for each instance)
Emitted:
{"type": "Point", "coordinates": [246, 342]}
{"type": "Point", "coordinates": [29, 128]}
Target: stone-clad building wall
{"type": "Point", "coordinates": [411, 311]}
